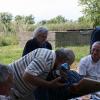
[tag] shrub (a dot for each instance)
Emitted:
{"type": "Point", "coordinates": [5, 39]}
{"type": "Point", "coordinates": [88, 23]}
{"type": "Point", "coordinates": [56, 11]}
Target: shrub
{"type": "Point", "coordinates": [6, 40]}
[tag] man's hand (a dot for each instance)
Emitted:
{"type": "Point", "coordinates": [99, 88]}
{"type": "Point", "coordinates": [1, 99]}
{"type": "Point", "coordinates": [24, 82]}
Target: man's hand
{"type": "Point", "coordinates": [56, 83]}
{"type": "Point", "coordinates": [37, 81]}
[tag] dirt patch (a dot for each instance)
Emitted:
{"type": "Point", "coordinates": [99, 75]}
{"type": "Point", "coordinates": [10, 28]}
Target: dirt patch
{"type": "Point", "coordinates": [74, 66]}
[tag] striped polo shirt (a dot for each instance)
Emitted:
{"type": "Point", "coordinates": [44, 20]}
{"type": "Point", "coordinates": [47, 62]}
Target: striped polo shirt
{"type": "Point", "coordinates": [38, 63]}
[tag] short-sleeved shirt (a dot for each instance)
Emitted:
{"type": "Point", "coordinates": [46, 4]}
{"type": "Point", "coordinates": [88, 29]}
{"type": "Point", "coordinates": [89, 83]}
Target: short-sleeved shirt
{"type": "Point", "coordinates": [38, 63]}
{"type": "Point", "coordinates": [89, 68]}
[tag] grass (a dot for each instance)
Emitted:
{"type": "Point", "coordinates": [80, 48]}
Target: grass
{"type": "Point", "coordinates": [80, 51]}
{"type": "Point", "coordinates": [11, 53]}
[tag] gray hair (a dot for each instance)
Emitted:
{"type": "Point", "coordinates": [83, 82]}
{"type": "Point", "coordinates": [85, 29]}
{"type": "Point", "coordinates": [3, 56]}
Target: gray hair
{"type": "Point", "coordinates": [95, 43]}
{"type": "Point", "coordinates": [40, 30]}
{"type": "Point", "coordinates": [66, 55]}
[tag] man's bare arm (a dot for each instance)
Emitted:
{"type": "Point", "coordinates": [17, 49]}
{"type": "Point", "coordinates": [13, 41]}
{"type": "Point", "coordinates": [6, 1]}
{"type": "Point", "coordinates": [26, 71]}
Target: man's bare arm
{"type": "Point", "coordinates": [35, 80]}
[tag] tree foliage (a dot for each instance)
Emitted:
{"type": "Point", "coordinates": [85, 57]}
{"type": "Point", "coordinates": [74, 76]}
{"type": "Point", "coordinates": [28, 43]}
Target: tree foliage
{"type": "Point", "coordinates": [24, 22]}
{"type": "Point", "coordinates": [18, 19]}
{"type": "Point", "coordinates": [25, 19]}
{"type": "Point", "coordinates": [29, 19]}
{"type": "Point", "coordinates": [91, 8]}
{"type": "Point", "coordinates": [56, 20]}
{"type": "Point", "coordinates": [5, 19]}
{"type": "Point", "coordinates": [21, 23]}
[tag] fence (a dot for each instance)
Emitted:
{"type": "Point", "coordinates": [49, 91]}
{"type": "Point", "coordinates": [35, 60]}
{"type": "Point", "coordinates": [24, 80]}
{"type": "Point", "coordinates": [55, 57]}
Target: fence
{"type": "Point", "coordinates": [62, 39]}
{"type": "Point", "coordinates": [70, 38]}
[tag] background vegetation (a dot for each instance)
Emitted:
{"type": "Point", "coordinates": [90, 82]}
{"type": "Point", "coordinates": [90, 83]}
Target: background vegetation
{"type": "Point", "coordinates": [11, 53]}
{"type": "Point", "coordinates": [11, 26]}
{"type": "Point", "coordinates": [90, 19]}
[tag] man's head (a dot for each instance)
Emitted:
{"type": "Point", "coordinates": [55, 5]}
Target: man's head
{"type": "Point", "coordinates": [41, 34]}
{"type": "Point", "coordinates": [95, 51]}
{"type": "Point", "coordinates": [64, 55]}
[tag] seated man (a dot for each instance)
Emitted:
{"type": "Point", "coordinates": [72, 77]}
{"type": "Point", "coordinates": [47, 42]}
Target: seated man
{"type": "Point", "coordinates": [90, 65]}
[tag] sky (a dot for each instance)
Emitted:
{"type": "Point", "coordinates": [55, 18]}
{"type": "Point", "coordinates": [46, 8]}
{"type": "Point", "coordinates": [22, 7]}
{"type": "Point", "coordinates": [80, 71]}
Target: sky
{"type": "Point", "coordinates": [42, 9]}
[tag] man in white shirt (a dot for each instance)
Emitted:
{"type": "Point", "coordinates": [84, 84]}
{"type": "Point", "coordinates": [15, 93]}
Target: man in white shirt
{"type": "Point", "coordinates": [90, 66]}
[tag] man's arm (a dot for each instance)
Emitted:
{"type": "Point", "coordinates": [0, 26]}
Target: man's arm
{"type": "Point", "coordinates": [85, 86]}
{"type": "Point", "coordinates": [36, 81]}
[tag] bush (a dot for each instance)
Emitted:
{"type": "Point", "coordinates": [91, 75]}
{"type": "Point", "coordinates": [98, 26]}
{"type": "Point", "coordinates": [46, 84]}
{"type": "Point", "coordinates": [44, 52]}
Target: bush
{"type": "Point", "coordinates": [6, 40]}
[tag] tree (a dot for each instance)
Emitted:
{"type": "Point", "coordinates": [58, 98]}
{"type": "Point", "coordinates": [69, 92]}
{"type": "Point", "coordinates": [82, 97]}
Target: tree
{"type": "Point", "coordinates": [84, 22]}
{"type": "Point", "coordinates": [5, 19]}
{"type": "Point", "coordinates": [19, 22]}
{"type": "Point", "coordinates": [57, 20]}
{"type": "Point", "coordinates": [43, 22]}
{"type": "Point", "coordinates": [29, 19]}
{"type": "Point", "coordinates": [18, 19]}
{"type": "Point", "coordinates": [91, 9]}
{"type": "Point", "coordinates": [24, 23]}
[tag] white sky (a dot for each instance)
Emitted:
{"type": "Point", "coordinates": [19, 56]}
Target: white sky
{"type": "Point", "coordinates": [42, 9]}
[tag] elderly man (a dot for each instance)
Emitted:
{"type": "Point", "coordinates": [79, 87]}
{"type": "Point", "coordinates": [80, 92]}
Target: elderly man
{"type": "Point", "coordinates": [30, 71]}
{"type": "Point", "coordinates": [90, 65]}
{"type": "Point", "coordinates": [39, 41]}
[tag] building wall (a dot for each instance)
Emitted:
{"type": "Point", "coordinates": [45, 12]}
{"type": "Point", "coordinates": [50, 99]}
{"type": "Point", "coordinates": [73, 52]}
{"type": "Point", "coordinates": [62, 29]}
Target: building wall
{"type": "Point", "coordinates": [61, 39]}
{"type": "Point", "coordinates": [72, 38]}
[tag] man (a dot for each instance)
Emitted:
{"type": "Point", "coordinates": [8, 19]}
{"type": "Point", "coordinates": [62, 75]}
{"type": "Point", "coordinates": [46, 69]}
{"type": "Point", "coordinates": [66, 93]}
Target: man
{"type": "Point", "coordinates": [95, 36]}
{"type": "Point", "coordinates": [90, 65]}
{"type": "Point", "coordinates": [30, 71]}
{"type": "Point", "coordinates": [39, 41]}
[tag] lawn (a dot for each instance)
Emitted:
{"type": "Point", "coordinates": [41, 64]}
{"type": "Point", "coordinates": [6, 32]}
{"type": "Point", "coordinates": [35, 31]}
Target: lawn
{"type": "Point", "coordinates": [11, 53]}
{"type": "Point", "coordinates": [80, 51]}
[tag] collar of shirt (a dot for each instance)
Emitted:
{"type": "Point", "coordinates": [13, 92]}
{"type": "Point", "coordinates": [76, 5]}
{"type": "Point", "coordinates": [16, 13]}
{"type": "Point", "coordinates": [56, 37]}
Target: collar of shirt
{"type": "Point", "coordinates": [93, 61]}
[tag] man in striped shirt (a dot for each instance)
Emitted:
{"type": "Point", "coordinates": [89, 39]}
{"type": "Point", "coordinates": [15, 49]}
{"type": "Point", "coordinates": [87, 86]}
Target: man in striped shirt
{"type": "Point", "coordinates": [30, 71]}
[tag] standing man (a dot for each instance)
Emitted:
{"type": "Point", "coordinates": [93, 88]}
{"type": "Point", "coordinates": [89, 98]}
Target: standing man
{"type": "Point", "coordinates": [90, 66]}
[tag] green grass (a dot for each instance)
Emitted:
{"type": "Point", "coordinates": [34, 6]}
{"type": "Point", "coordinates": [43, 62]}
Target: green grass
{"type": "Point", "coordinates": [10, 53]}
{"type": "Point", "coordinates": [80, 51]}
